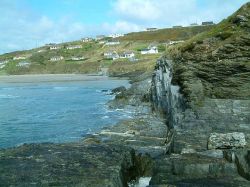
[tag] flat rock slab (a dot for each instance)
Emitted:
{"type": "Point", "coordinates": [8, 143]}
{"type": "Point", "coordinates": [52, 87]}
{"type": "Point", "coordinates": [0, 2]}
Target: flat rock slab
{"type": "Point", "coordinates": [225, 141]}
{"type": "Point", "coordinates": [68, 164]}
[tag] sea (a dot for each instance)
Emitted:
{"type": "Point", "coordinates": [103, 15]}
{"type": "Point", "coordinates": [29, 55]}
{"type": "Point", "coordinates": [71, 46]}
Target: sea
{"type": "Point", "coordinates": [56, 112]}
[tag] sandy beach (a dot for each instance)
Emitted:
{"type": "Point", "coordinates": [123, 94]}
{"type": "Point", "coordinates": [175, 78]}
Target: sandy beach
{"type": "Point", "coordinates": [49, 78]}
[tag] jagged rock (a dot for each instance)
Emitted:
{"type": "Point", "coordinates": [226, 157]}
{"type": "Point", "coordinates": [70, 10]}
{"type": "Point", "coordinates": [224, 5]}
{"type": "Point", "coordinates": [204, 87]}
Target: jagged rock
{"type": "Point", "coordinates": [239, 19]}
{"type": "Point", "coordinates": [224, 141]}
{"type": "Point", "coordinates": [118, 90]}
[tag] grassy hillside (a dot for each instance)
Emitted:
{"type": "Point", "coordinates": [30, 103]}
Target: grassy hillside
{"type": "Point", "coordinates": [94, 60]}
{"type": "Point", "coordinates": [164, 35]}
{"type": "Point", "coordinates": [216, 63]}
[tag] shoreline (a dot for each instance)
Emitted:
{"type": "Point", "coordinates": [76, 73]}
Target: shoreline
{"type": "Point", "coordinates": [31, 78]}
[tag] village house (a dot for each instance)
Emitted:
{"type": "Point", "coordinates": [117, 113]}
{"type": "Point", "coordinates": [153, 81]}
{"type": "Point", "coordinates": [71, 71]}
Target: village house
{"type": "Point", "coordinates": [77, 58]}
{"type": "Point", "coordinates": [56, 58]}
{"type": "Point", "coordinates": [111, 55]}
{"type": "Point", "coordinates": [205, 23]}
{"type": "Point", "coordinates": [102, 42]}
{"type": "Point", "coordinates": [99, 37]}
{"type": "Point", "coordinates": [150, 50]}
{"type": "Point", "coordinates": [151, 29]}
{"type": "Point", "coordinates": [74, 47]}
{"type": "Point", "coordinates": [3, 63]}
{"type": "Point", "coordinates": [112, 43]}
{"type": "Point", "coordinates": [174, 42]}
{"type": "Point", "coordinates": [177, 26]}
{"type": "Point", "coordinates": [87, 39]}
{"type": "Point", "coordinates": [54, 47]}
{"type": "Point", "coordinates": [127, 55]}
{"type": "Point", "coordinates": [23, 64]}
{"type": "Point", "coordinates": [19, 57]}
{"type": "Point", "coordinates": [116, 35]}
{"type": "Point", "coordinates": [194, 24]}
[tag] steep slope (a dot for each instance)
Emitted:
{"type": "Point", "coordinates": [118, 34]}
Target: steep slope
{"type": "Point", "coordinates": [203, 89]}
{"type": "Point", "coordinates": [216, 63]}
{"type": "Point", "coordinates": [163, 35]}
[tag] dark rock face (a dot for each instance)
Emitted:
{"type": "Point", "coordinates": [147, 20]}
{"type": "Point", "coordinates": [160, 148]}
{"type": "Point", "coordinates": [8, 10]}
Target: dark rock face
{"type": "Point", "coordinates": [191, 163]}
{"type": "Point", "coordinates": [209, 110]}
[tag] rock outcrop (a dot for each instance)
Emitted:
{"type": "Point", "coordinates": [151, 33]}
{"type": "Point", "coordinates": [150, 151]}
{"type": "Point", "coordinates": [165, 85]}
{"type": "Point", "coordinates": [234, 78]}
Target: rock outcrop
{"type": "Point", "coordinates": [209, 112]}
{"type": "Point", "coordinates": [225, 141]}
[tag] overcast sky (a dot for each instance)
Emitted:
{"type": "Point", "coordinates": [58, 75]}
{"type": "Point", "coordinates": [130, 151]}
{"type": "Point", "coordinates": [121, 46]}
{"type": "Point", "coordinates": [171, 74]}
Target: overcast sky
{"type": "Point", "coordinates": [26, 24]}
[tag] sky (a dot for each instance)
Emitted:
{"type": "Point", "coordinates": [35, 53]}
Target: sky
{"type": "Point", "coordinates": [26, 24]}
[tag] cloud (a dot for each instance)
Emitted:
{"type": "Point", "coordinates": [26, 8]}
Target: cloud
{"type": "Point", "coordinates": [120, 27]}
{"type": "Point", "coordinates": [24, 28]}
{"type": "Point", "coordinates": [174, 12]}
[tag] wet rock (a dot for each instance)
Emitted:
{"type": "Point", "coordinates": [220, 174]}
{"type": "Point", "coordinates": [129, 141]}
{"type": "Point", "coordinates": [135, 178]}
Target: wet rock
{"type": "Point", "coordinates": [226, 141]}
{"type": "Point", "coordinates": [118, 90]}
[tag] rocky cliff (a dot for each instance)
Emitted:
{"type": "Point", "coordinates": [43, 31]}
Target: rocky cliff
{"type": "Point", "coordinates": [203, 87]}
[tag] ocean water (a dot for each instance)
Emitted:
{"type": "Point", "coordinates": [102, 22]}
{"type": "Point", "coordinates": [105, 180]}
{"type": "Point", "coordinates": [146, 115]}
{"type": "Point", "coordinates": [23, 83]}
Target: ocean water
{"type": "Point", "coordinates": [55, 112]}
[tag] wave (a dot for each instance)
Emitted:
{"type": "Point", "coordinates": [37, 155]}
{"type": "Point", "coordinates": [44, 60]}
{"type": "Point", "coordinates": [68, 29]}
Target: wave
{"type": "Point", "coordinates": [8, 96]}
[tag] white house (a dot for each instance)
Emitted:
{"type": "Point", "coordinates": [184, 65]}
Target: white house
{"type": "Point", "coordinates": [102, 42]}
{"type": "Point", "coordinates": [23, 64]}
{"type": "Point", "coordinates": [150, 50]}
{"type": "Point", "coordinates": [54, 47]}
{"type": "Point", "coordinates": [77, 58]}
{"type": "Point", "coordinates": [74, 47]}
{"type": "Point", "coordinates": [174, 42]}
{"type": "Point", "coordinates": [19, 57]}
{"type": "Point", "coordinates": [111, 55]}
{"type": "Point", "coordinates": [86, 39]}
{"type": "Point", "coordinates": [116, 35]}
{"type": "Point", "coordinates": [151, 29]}
{"type": "Point", "coordinates": [112, 43]}
{"type": "Point", "coordinates": [127, 55]}
{"type": "Point", "coordinates": [3, 63]}
{"type": "Point", "coordinates": [56, 58]}
{"type": "Point", "coordinates": [99, 37]}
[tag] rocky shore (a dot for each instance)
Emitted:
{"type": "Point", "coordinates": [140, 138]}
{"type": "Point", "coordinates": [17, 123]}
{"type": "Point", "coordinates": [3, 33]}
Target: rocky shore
{"type": "Point", "coordinates": [191, 124]}
{"type": "Point", "coordinates": [112, 157]}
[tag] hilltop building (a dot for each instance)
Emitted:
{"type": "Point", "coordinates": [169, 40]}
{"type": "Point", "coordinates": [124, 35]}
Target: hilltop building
{"type": "Point", "coordinates": [100, 37]}
{"type": "Point", "coordinates": [150, 50]}
{"type": "Point", "coordinates": [87, 39]}
{"type": "Point", "coordinates": [56, 58]}
{"type": "Point", "coordinates": [194, 24]}
{"type": "Point", "coordinates": [151, 29]}
{"type": "Point", "coordinates": [177, 26]}
{"type": "Point", "coordinates": [205, 23]}
{"type": "Point", "coordinates": [54, 47]}
{"type": "Point", "coordinates": [74, 47]}
{"type": "Point", "coordinates": [116, 35]}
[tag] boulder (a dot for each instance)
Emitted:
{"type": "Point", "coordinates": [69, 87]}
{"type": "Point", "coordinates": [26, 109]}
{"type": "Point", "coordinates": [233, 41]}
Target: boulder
{"type": "Point", "coordinates": [118, 90]}
{"type": "Point", "coordinates": [226, 141]}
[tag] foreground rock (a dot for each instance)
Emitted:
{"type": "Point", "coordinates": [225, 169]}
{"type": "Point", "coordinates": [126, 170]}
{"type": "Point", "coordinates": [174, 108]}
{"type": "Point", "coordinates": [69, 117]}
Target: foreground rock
{"type": "Point", "coordinates": [66, 165]}
{"type": "Point", "coordinates": [225, 141]}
